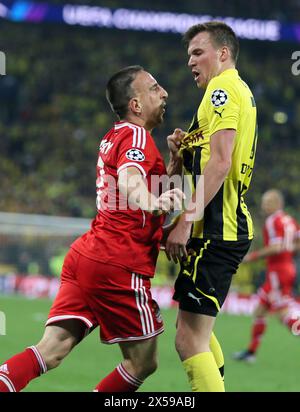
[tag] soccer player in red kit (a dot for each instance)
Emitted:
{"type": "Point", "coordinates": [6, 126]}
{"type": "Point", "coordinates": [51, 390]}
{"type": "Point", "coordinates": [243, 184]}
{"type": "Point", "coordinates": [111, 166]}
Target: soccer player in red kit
{"type": "Point", "coordinates": [280, 233]}
{"type": "Point", "coordinates": [106, 274]}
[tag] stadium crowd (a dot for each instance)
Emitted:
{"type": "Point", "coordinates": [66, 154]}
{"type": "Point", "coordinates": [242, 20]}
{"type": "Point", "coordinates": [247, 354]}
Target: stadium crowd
{"type": "Point", "coordinates": [54, 112]}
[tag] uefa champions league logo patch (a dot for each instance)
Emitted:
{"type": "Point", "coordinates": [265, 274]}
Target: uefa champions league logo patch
{"type": "Point", "coordinates": [135, 154]}
{"type": "Point", "coordinates": [219, 97]}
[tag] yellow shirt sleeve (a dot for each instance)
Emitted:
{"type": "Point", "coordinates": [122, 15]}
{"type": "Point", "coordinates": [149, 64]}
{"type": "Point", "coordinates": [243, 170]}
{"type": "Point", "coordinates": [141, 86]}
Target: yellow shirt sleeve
{"type": "Point", "coordinates": [222, 104]}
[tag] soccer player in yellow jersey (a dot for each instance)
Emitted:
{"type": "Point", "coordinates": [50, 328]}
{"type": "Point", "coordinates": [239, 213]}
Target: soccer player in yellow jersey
{"type": "Point", "coordinates": [220, 145]}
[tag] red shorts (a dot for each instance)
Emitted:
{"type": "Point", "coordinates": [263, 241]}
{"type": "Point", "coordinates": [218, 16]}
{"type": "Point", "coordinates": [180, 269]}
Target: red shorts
{"type": "Point", "coordinates": [118, 301]}
{"type": "Point", "coordinates": [277, 291]}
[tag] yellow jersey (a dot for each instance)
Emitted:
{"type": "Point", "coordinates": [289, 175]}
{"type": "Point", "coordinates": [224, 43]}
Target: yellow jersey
{"type": "Point", "coordinates": [227, 104]}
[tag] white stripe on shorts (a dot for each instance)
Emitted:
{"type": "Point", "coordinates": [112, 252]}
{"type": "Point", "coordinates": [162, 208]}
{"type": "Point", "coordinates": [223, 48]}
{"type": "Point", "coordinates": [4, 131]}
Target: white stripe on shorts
{"type": "Point", "coordinates": [142, 304]}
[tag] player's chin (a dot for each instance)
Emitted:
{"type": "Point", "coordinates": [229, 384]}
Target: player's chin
{"type": "Point", "coordinates": [199, 84]}
{"type": "Point", "coordinates": [159, 120]}
{"type": "Point", "coordinates": [161, 117]}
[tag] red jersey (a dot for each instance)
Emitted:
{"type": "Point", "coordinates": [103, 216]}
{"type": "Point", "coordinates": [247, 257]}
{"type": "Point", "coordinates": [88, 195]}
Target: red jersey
{"type": "Point", "coordinates": [119, 235]}
{"type": "Point", "coordinates": [280, 228]}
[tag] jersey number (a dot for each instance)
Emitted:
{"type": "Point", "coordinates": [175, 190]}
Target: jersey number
{"type": "Point", "coordinates": [100, 182]}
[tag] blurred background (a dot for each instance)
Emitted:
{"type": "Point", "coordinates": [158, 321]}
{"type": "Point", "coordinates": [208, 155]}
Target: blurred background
{"type": "Point", "coordinates": [53, 114]}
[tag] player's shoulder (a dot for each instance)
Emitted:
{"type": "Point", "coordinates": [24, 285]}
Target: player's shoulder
{"type": "Point", "coordinates": [280, 218]}
{"type": "Point", "coordinates": [229, 78]}
{"type": "Point", "coordinates": [289, 219]}
{"type": "Point", "coordinates": [223, 88]}
{"type": "Point", "coordinates": [132, 133]}
{"type": "Point", "coordinates": [271, 220]}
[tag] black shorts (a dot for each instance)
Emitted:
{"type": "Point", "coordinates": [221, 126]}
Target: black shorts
{"type": "Point", "coordinates": [205, 276]}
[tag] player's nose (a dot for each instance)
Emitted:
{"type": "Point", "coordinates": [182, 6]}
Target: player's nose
{"type": "Point", "coordinates": [191, 62]}
{"type": "Point", "coordinates": [164, 93]}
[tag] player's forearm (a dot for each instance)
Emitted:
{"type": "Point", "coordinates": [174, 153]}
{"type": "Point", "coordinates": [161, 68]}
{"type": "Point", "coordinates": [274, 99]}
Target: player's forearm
{"type": "Point", "coordinates": [138, 195]}
{"type": "Point", "coordinates": [264, 252]}
{"type": "Point", "coordinates": [175, 165]}
{"type": "Point", "coordinates": [133, 187]}
{"type": "Point", "coordinates": [214, 174]}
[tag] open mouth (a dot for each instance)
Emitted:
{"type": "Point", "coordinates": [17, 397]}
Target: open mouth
{"type": "Point", "coordinates": [196, 75]}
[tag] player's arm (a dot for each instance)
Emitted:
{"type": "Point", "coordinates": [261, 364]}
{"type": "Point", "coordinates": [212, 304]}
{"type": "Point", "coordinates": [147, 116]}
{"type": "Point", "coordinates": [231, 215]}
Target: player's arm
{"type": "Point", "coordinates": [133, 186]}
{"type": "Point", "coordinates": [278, 243]}
{"type": "Point", "coordinates": [175, 160]}
{"type": "Point", "coordinates": [264, 252]}
{"type": "Point", "coordinates": [215, 172]}
{"type": "Point", "coordinates": [270, 250]}
{"type": "Point", "coordinates": [219, 164]}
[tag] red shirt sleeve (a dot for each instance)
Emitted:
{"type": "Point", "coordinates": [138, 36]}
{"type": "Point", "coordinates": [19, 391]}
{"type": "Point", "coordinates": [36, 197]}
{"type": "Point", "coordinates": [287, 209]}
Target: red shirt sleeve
{"type": "Point", "coordinates": [135, 150]}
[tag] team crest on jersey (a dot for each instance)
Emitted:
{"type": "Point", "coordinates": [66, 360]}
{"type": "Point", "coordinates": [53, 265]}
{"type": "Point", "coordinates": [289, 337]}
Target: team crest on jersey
{"type": "Point", "coordinates": [219, 97]}
{"type": "Point", "coordinates": [192, 138]}
{"type": "Point", "coordinates": [135, 154]}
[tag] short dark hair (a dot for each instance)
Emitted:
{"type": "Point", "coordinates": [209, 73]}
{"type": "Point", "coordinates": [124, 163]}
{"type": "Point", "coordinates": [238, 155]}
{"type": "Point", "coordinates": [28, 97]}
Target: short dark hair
{"type": "Point", "coordinates": [119, 90]}
{"type": "Point", "coordinates": [220, 33]}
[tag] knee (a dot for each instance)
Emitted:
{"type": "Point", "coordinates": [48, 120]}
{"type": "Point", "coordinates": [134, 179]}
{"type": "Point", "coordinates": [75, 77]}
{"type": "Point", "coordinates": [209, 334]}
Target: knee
{"type": "Point", "coordinates": [180, 345]}
{"type": "Point", "coordinates": [183, 341]}
{"type": "Point", "coordinates": [189, 344]}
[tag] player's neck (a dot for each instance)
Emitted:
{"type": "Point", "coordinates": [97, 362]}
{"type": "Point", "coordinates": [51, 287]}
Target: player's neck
{"type": "Point", "coordinates": [274, 211]}
{"type": "Point", "coordinates": [226, 66]}
{"type": "Point", "coordinates": [137, 121]}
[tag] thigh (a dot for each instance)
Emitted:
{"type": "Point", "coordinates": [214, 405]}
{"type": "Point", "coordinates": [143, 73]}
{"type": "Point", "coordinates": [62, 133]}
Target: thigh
{"type": "Point", "coordinates": [70, 302]}
{"type": "Point", "coordinates": [261, 310]}
{"type": "Point", "coordinates": [205, 277]}
{"type": "Point", "coordinates": [264, 294]}
{"type": "Point", "coordinates": [121, 302]}
{"type": "Point", "coordinates": [282, 282]}
{"type": "Point", "coordinates": [62, 336]}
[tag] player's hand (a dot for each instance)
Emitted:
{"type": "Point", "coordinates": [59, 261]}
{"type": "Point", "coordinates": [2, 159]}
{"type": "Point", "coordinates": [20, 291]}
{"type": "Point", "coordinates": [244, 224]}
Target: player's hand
{"type": "Point", "coordinates": [246, 259]}
{"type": "Point", "coordinates": [166, 231]}
{"type": "Point", "coordinates": [174, 141]}
{"type": "Point", "coordinates": [169, 201]}
{"type": "Point", "coordinates": [177, 240]}
{"type": "Point", "coordinates": [250, 257]}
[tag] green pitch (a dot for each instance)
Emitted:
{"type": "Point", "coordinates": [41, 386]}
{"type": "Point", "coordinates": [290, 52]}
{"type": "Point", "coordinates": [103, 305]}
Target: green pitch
{"type": "Point", "coordinates": [276, 369]}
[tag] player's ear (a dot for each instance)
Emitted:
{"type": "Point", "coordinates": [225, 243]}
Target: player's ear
{"type": "Point", "coordinates": [224, 54]}
{"type": "Point", "coordinates": [135, 105]}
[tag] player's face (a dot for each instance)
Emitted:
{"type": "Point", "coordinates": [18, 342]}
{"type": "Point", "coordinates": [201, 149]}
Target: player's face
{"type": "Point", "coordinates": [266, 205]}
{"type": "Point", "coordinates": [269, 204]}
{"type": "Point", "coordinates": [204, 59]}
{"type": "Point", "coordinates": [152, 99]}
